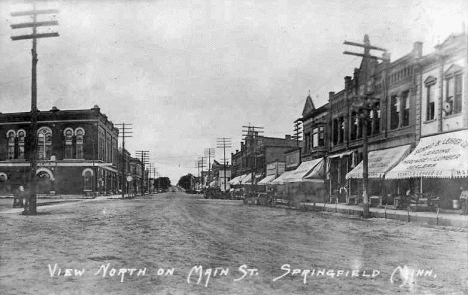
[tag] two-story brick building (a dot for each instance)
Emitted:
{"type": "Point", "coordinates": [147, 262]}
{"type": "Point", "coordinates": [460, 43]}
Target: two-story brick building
{"type": "Point", "coordinates": [257, 152]}
{"type": "Point", "coordinates": [415, 99]}
{"type": "Point", "coordinates": [77, 151]}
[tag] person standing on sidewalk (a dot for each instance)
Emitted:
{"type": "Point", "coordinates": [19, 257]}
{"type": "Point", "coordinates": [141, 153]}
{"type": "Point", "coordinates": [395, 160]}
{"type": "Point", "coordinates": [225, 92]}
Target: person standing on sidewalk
{"type": "Point", "coordinates": [464, 200]}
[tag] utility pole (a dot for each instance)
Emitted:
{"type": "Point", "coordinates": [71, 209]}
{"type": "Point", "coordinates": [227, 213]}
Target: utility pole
{"type": "Point", "coordinates": [150, 176]}
{"type": "Point", "coordinates": [364, 102]}
{"type": "Point", "coordinates": [127, 132]}
{"type": "Point", "coordinates": [31, 206]}
{"type": "Point", "coordinates": [297, 131]}
{"type": "Point", "coordinates": [144, 160]}
{"type": "Point", "coordinates": [201, 162]}
{"type": "Point", "coordinates": [210, 153]}
{"type": "Point", "coordinates": [224, 142]}
{"type": "Point", "coordinates": [250, 134]}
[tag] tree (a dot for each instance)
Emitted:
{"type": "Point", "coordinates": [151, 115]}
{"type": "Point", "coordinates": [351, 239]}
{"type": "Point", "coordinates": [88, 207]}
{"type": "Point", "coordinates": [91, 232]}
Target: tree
{"type": "Point", "coordinates": [185, 181]}
{"type": "Point", "coordinates": [162, 183]}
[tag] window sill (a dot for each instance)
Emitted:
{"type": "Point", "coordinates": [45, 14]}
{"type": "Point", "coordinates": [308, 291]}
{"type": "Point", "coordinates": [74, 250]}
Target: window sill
{"type": "Point", "coordinates": [429, 121]}
{"type": "Point", "coordinates": [452, 115]}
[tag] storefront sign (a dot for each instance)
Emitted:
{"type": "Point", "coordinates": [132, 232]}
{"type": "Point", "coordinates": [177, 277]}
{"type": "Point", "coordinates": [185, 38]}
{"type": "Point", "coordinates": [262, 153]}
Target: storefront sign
{"type": "Point", "coordinates": [440, 156]}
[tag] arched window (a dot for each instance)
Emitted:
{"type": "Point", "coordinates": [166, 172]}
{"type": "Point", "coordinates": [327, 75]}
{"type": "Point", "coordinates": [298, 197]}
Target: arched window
{"type": "Point", "coordinates": [21, 139]}
{"type": "Point", "coordinates": [68, 143]}
{"type": "Point", "coordinates": [11, 135]}
{"type": "Point", "coordinates": [44, 143]}
{"type": "Point", "coordinates": [79, 133]}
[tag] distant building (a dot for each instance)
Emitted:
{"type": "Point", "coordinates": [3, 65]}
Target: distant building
{"type": "Point", "coordinates": [257, 151]}
{"type": "Point", "coordinates": [77, 151]}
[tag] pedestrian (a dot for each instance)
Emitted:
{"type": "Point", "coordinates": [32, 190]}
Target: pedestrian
{"type": "Point", "coordinates": [19, 198]}
{"type": "Point", "coordinates": [464, 200]}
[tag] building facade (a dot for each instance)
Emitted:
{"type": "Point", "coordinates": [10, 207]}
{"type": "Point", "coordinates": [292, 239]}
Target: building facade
{"type": "Point", "coordinates": [413, 97]}
{"type": "Point", "coordinates": [77, 151]}
{"type": "Point", "coordinates": [257, 151]}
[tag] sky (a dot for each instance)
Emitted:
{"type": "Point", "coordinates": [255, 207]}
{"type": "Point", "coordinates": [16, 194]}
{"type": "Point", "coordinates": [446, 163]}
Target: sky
{"type": "Point", "coordinates": [185, 73]}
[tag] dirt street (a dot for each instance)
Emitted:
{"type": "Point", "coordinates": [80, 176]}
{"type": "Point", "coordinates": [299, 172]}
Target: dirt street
{"type": "Point", "coordinates": [175, 243]}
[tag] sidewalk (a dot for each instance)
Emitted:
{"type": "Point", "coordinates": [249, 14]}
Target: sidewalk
{"type": "Point", "coordinates": [432, 218]}
{"type": "Point", "coordinates": [49, 201]}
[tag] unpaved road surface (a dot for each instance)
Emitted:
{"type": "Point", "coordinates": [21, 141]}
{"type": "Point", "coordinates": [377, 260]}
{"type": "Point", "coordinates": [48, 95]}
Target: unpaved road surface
{"type": "Point", "coordinates": [169, 243]}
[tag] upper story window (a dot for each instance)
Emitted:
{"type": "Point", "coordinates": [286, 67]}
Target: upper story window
{"type": "Point", "coordinates": [21, 139]}
{"type": "Point", "coordinates": [374, 115]}
{"type": "Point", "coordinates": [15, 144]}
{"type": "Point", "coordinates": [11, 139]}
{"type": "Point", "coordinates": [321, 136]}
{"type": "Point", "coordinates": [68, 143]}
{"type": "Point", "coordinates": [354, 125]}
{"type": "Point", "coordinates": [341, 129]}
{"type": "Point", "coordinates": [307, 142]}
{"type": "Point", "coordinates": [405, 109]}
{"type": "Point", "coordinates": [430, 97]}
{"type": "Point", "coordinates": [315, 137]}
{"type": "Point", "coordinates": [74, 143]}
{"type": "Point", "coordinates": [318, 137]}
{"type": "Point", "coordinates": [394, 112]}
{"type": "Point", "coordinates": [79, 135]}
{"type": "Point", "coordinates": [44, 136]}
{"type": "Point", "coordinates": [335, 131]}
{"type": "Point", "coordinates": [453, 90]}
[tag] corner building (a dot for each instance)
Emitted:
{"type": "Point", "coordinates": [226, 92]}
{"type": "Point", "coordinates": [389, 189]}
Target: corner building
{"type": "Point", "coordinates": [77, 151]}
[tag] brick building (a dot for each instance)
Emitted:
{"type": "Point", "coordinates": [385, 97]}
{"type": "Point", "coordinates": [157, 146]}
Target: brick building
{"type": "Point", "coordinates": [414, 97]}
{"type": "Point", "coordinates": [257, 151]}
{"type": "Point", "coordinates": [77, 151]}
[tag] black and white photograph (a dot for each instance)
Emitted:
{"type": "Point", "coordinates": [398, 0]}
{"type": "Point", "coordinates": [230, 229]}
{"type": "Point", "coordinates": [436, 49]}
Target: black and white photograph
{"type": "Point", "coordinates": [233, 147]}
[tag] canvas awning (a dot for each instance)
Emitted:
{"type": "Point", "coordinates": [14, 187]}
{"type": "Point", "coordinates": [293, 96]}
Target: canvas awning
{"type": "Point", "coordinates": [236, 180]}
{"type": "Point", "coordinates": [308, 171]}
{"type": "Point", "coordinates": [214, 183]}
{"type": "Point", "coordinates": [380, 162]}
{"type": "Point", "coordinates": [248, 180]}
{"type": "Point", "coordinates": [267, 180]}
{"type": "Point", "coordinates": [282, 178]}
{"type": "Point", "coordinates": [438, 156]}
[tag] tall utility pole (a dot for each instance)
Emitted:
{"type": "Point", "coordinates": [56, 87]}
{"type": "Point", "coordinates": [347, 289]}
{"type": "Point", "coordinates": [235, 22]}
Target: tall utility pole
{"type": "Point", "coordinates": [150, 176]}
{"type": "Point", "coordinates": [31, 206]}
{"type": "Point", "coordinates": [364, 102]}
{"type": "Point", "coordinates": [144, 155]}
{"type": "Point", "coordinates": [250, 134]}
{"type": "Point", "coordinates": [224, 142]}
{"type": "Point", "coordinates": [126, 132]}
{"type": "Point", "coordinates": [297, 131]}
{"type": "Point", "coordinates": [210, 153]}
{"type": "Point", "coordinates": [201, 163]}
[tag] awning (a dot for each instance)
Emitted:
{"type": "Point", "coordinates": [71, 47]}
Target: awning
{"type": "Point", "coordinates": [244, 178]}
{"type": "Point", "coordinates": [439, 156]}
{"type": "Point", "coordinates": [281, 179]}
{"type": "Point", "coordinates": [214, 183]}
{"type": "Point", "coordinates": [248, 179]}
{"type": "Point", "coordinates": [235, 180]}
{"type": "Point", "coordinates": [308, 171]}
{"type": "Point", "coordinates": [267, 180]}
{"type": "Point", "coordinates": [380, 162]}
